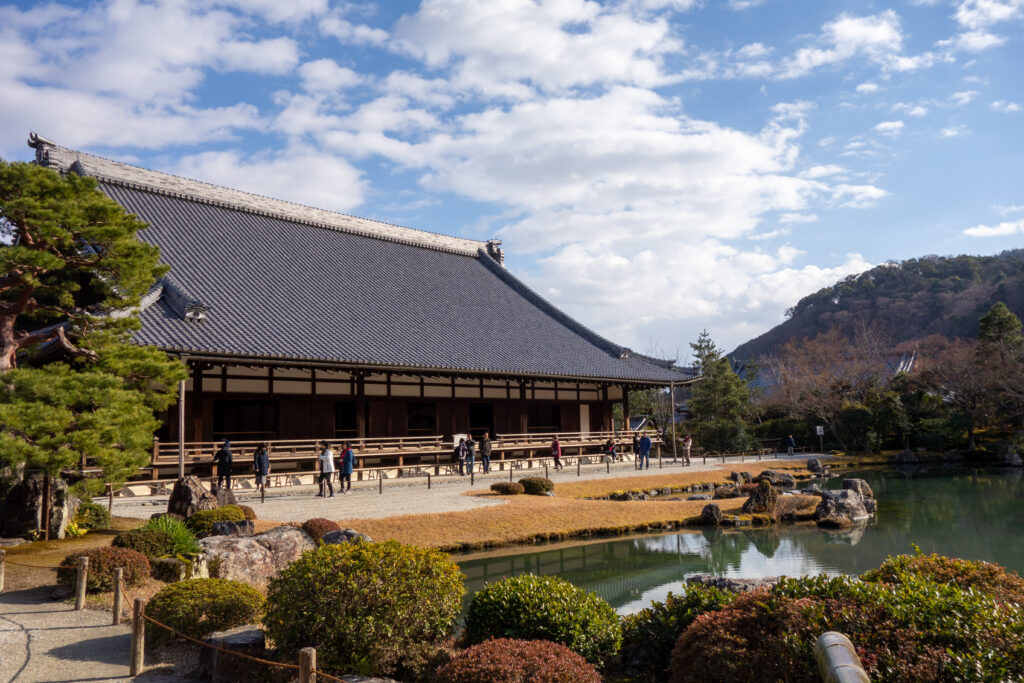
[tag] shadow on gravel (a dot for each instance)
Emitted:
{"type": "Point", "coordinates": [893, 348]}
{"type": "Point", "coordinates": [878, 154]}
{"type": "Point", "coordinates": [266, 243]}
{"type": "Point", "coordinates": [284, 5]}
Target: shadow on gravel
{"type": "Point", "coordinates": [28, 596]}
{"type": "Point", "coordinates": [105, 650]}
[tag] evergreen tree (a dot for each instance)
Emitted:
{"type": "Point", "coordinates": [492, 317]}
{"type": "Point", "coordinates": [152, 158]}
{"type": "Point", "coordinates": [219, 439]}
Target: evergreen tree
{"type": "Point", "coordinates": [719, 401]}
{"type": "Point", "coordinates": [1001, 327]}
{"type": "Point", "coordinates": [71, 266]}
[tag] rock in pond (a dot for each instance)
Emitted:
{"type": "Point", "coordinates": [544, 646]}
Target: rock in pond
{"type": "Point", "coordinates": [734, 585]}
{"type": "Point", "coordinates": [814, 465]}
{"type": "Point", "coordinates": [840, 509]}
{"type": "Point", "coordinates": [256, 559]}
{"type": "Point", "coordinates": [711, 515]}
{"type": "Point", "coordinates": [860, 486]}
{"type": "Point", "coordinates": [727, 492]}
{"type": "Point", "coordinates": [740, 477]}
{"type": "Point", "coordinates": [344, 536]}
{"type": "Point", "coordinates": [783, 479]}
{"type": "Point", "coordinates": [699, 496]}
{"type": "Point", "coordinates": [762, 499]}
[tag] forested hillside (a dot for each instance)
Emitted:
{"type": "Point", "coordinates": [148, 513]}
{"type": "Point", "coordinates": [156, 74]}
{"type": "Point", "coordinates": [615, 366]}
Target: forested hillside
{"type": "Point", "coordinates": [905, 301]}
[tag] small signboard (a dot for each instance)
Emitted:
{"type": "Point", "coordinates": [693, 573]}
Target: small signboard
{"type": "Point", "coordinates": [820, 430]}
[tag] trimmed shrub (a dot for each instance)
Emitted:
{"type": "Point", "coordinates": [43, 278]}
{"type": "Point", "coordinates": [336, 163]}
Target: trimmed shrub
{"type": "Point", "coordinates": [199, 607]}
{"type": "Point", "coordinates": [985, 577]}
{"type": "Point", "coordinates": [545, 608]}
{"type": "Point", "coordinates": [250, 514]}
{"type": "Point", "coordinates": [368, 608]}
{"type": "Point", "coordinates": [183, 541]}
{"type": "Point", "coordinates": [318, 526]}
{"type": "Point", "coordinates": [92, 516]}
{"type": "Point", "coordinates": [536, 486]}
{"type": "Point", "coordinates": [649, 635]}
{"type": "Point", "coordinates": [508, 488]}
{"type": "Point", "coordinates": [102, 563]}
{"type": "Point", "coordinates": [915, 630]}
{"type": "Point", "coordinates": [505, 660]}
{"type": "Point", "coordinates": [149, 542]}
{"type": "Point", "coordinates": [202, 521]}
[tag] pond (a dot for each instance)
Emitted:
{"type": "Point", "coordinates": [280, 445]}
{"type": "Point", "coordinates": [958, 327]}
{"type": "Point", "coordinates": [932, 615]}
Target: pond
{"type": "Point", "coordinates": [976, 515]}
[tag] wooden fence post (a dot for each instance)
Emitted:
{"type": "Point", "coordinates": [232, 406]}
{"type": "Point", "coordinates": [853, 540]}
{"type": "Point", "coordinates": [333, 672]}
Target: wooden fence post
{"type": "Point", "coordinates": [3, 554]}
{"type": "Point", "coordinates": [545, 470]}
{"type": "Point", "coordinates": [83, 577]}
{"type": "Point", "coordinates": [510, 473]}
{"type": "Point", "coordinates": [110, 497]}
{"type": "Point", "coordinates": [118, 595]}
{"type": "Point", "coordinates": [380, 480]}
{"type": "Point", "coordinates": [428, 481]}
{"type": "Point", "coordinates": [138, 637]}
{"type": "Point", "coordinates": [307, 665]}
{"type": "Point", "coordinates": [578, 462]}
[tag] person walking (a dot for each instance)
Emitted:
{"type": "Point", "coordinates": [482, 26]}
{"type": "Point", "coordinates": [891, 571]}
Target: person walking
{"type": "Point", "coordinates": [459, 453]}
{"type": "Point", "coordinates": [326, 459]}
{"type": "Point", "coordinates": [348, 463]}
{"type": "Point", "coordinates": [261, 465]}
{"type": "Point", "coordinates": [636, 443]}
{"type": "Point", "coordinates": [645, 452]}
{"type": "Point", "coordinates": [470, 452]}
{"type": "Point", "coordinates": [224, 459]}
{"type": "Point", "coordinates": [687, 445]}
{"type": "Point", "coordinates": [790, 444]}
{"type": "Point", "coordinates": [485, 452]}
{"type": "Point", "coordinates": [556, 452]}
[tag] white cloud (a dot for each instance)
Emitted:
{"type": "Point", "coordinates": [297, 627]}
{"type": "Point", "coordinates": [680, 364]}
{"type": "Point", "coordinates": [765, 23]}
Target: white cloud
{"type": "Point", "coordinates": [953, 131]}
{"type": "Point", "coordinates": [889, 128]}
{"type": "Point", "coordinates": [1005, 107]}
{"type": "Point", "coordinates": [753, 51]}
{"type": "Point", "coordinates": [964, 97]}
{"type": "Point", "coordinates": [822, 171]}
{"type": "Point", "coordinates": [857, 196]}
{"type": "Point", "coordinates": [867, 87]}
{"type": "Point", "coordinates": [302, 175]}
{"type": "Point", "coordinates": [347, 33]}
{"type": "Point", "coordinates": [1000, 230]}
{"type": "Point", "coordinates": [771, 234]}
{"type": "Point", "coordinates": [1008, 210]}
{"type": "Point", "coordinates": [740, 5]}
{"type": "Point", "coordinates": [798, 218]}
{"type": "Point", "coordinates": [976, 14]}
{"type": "Point", "coordinates": [326, 76]}
{"type": "Point", "coordinates": [972, 41]}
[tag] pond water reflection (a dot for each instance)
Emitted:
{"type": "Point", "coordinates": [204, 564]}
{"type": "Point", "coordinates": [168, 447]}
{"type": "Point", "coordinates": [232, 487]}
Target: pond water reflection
{"type": "Point", "coordinates": [975, 515]}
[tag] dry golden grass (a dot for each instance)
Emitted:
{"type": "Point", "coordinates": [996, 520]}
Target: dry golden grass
{"type": "Point", "coordinates": [597, 488]}
{"type": "Point", "coordinates": [528, 519]}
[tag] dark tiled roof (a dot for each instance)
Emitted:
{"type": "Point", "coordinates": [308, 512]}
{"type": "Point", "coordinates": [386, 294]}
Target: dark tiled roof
{"type": "Point", "coordinates": [269, 285]}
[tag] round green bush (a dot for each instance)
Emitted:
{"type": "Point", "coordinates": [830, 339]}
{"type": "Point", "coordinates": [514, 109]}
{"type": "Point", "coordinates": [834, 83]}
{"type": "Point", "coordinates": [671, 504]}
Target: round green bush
{"type": "Point", "coordinates": [318, 526]}
{"type": "Point", "coordinates": [545, 608]}
{"type": "Point", "coordinates": [250, 514]}
{"type": "Point", "coordinates": [149, 542]}
{"type": "Point", "coordinates": [102, 563]}
{"type": "Point", "coordinates": [916, 630]}
{"type": "Point", "coordinates": [508, 488]}
{"type": "Point", "coordinates": [985, 577]}
{"type": "Point", "coordinates": [537, 486]}
{"type": "Point", "coordinates": [649, 636]}
{"type": "Point", "coordinates": [506, 660]}
{"type": "Point", "coordinates": [183, 541]}
{"type": "Point", "coordinates": [199, 607]}
{"type": "Point", "coordinates": [202, 521]}
{"type": "Point", "coordinates": [92, 516]}
{"type": "Point", "coordinates": [368, 608]}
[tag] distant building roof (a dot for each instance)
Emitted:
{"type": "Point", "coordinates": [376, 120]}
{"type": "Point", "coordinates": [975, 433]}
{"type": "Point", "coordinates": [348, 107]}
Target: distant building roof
{"type": "Point", "coordinates": [262, 278]}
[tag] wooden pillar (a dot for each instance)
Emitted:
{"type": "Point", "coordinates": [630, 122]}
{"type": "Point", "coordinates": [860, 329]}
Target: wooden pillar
{"type": "Point", "coordinates": [672, 416]}
{"type": "Point", "coordinates": [360, 406]}
{"type": "Point", "coordinates": [625, 408]}
{"type": "Point", "coordinates": [181, 429]}
{"type": "Point", "coordinates": [197, 401]}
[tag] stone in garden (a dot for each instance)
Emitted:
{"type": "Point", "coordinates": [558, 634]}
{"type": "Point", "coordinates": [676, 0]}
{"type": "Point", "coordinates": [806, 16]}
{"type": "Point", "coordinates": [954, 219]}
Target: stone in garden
{"type": "Point", "coordinates": [727, 492]}
{"type": "Point", "coordinates": [762, 500]}
{"type": "Point", "coordinates": [225, 496]}
{"type": "Point", "coordinates": [734, 585]}
{"type": "Point", "coordinates": [21, 511]}
{"type": "Point", "coordinates": [188, 496]}
{"type": "Point", "coordinates": [860, 486]}
{"type": "Point", "coordinates": [871, 506]}
{"type": "Point", "coordinates": [740, 477]}
{"type": "Point", "coordinates": [243, 528]}
{"type": "Point", "coordinates": [699, 496]}
{"type": "Point", "coordinates": [711, 515]}
{"type": "Point", "coordinates": [344, 536]}
{"type": "Point", "coordinates": [840, 509]}
{"type": "Point", "coordinates": [220, 667]}
{"type": "Point", "coordinates": [256, 559]}
{"type": "Point", "coordinates": [814, 465]}
{"type": "Point", "coordinates": [783, 479]}
{"type": "Point", "coordinates": [171, 569]}
{"type": "Point", "coordinates": [812, 490]}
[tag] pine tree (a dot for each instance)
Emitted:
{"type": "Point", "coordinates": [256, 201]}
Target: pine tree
{"type": "Point", "coordinates": [69, 259]}
{"type": "Point", "coordinates": [719, 401]}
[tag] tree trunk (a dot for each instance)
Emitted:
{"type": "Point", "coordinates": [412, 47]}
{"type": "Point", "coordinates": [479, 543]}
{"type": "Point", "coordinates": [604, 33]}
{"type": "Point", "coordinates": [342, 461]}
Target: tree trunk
{"type": "Point", "coordinates": [46, 507]}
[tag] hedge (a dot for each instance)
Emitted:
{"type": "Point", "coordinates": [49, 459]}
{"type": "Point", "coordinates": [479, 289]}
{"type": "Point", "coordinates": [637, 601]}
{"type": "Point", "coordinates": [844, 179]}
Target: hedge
{"type": "Point", "coordinates": [102, 563]}
{"type": "Point", "coordinates": [537, 486]}
{"type": "Point", "coordinates": [202, 521]}
{"type": "Point", "coordinates": [508, 488]}
{"type": "Point", "coordinates": [506, 660]}
{"type": "Point", "coordinates": [199, 607]}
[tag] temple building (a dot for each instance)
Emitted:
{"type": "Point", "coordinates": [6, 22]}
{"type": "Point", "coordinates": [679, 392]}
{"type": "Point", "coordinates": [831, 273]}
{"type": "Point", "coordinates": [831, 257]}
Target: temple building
{"type": "Point", "coordinates": [298, 323]}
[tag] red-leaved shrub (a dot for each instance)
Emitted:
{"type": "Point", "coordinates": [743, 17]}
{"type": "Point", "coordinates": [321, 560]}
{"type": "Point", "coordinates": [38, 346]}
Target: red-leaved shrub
{"type": "Point", "coordinates": [505, 660]}
{"type": "Point", "coordinates": [318, 526]}
{"type": "Point", "coordinates": [102, 563]}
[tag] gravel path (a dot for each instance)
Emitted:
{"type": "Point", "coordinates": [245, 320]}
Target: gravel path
{"type": "Point", "coordinates": [407, 496]}
{"type": "Point", "coordinates": [43, 641]}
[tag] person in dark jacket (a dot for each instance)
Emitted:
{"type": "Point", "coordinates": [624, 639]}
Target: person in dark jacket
{"type": "Point", "coordinates": [485, 452]}
{"type": "Point", "coordinates": [261, 465]}
{"type": "Point", "coordinates": [224, 459]}
{"type": "Point", "coordinates": [459, 453]}
{"type": "Point", "coordinates": [790, 444]}
{"type": "Point", "coordinates": [470, 452]}
{"type": "Point", "coordinates": [636, 443]}
{"type": "Point", "coordinates": [608, 449]}
{"type": "Point", "coordinates": [556, 453]}
{"type": "Point", "coordinates": [348, 463]}
{"type": "Point", "coordinates": [645, 451]}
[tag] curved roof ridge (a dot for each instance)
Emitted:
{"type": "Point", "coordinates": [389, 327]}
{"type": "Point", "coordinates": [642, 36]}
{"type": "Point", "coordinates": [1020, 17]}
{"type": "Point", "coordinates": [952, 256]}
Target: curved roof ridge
{"type": "Point", "coordinates": [64, 159]}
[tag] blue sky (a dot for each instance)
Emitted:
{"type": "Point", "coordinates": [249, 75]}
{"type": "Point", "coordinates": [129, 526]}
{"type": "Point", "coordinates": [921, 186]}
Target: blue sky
{"type": "Point", "coordinates": [653, 167]}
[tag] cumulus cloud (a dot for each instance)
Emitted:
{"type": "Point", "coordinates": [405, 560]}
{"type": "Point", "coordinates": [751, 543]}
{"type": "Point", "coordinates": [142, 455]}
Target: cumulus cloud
{"type": "Point", "coordinates": [1005, 107]}
{"type": "Point", "coordinates": [867, 88]}
{"type": "Point", "coordinates": [326, 76]}
{"type": "Point", "coordinates": [953, 131]}
{"type": "Point", "coordinates": [1000, 230]}
{"type": "Point", "coordinates": [891, 128]}
{"type": "Point", "coordinates": [979, 14]}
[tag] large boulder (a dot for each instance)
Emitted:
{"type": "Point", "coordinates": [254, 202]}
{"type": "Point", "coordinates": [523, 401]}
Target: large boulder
{"type": "Point", "coordinates": [22, 509]}
{"type": "Point", "coordinates": [727, 492]}
{"type": "Point", "coordinates": [344, 536]}
{"type": "Point", "coordinates": [225, 496]}
{"type": "Point", "coordinates": [762, 500]}
{"type": "Point", "coordinates": [860, 486]}
{"type": "Point", "coordinates": [188, 496]}
{"type": "Point", "coordinates": [711, 515]}
{"type": "Point", "coordinates": [733, 585]}
{"type": "Point", "coordinates": [244, 528]}
{"type": "Point", "coordinates": [782, 479]}
{"type": "Point", "coordinates": [814, 465]}
{"type": "Point", "coordinates": [740, 477]}
{"type": "Point", "coordinates": [840, 509]}
{"type": "Point", "coordinates": [255, 559]}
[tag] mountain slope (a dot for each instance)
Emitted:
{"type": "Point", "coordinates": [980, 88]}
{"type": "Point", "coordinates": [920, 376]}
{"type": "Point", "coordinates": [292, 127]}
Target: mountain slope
{"type": "Point", "coordinates": [906, 301]}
